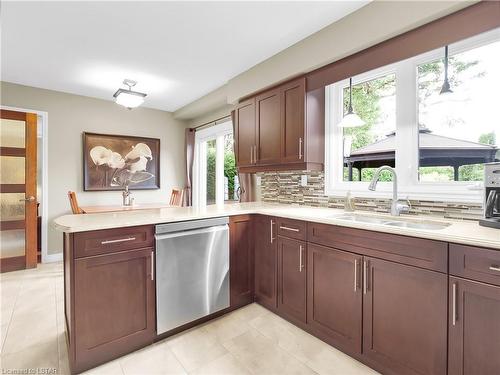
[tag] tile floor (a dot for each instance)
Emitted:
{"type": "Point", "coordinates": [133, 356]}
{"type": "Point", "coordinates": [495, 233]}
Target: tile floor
{"type": "Point", "coordinates": [249, 341]}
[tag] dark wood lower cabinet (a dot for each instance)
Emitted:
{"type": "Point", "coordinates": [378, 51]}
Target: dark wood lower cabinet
{"type": "Point", "coordinates": [241, 260]}
{"type": "Point", "coordinates": [292, 278]}
{"type": "Point", "coordinates": [474, 328]}
{"type": "Point", "coordinates": [404, 317]}
{"type": "Point", "coordinates": [266, 260]}
{"type": "Point", "coordinates": [114, 306]}
{"type": "Point", "coordinates": [334, 300]}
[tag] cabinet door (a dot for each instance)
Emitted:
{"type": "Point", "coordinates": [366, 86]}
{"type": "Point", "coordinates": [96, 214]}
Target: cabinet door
{"type": "Point", "coordinates": [241, 260]}
{"type": "Point", "coordinates": [334, 295]}
{"type": "Point", "coordinates": [268, 127]}
{"type": "Point", "coordinates": [404, 317]}
{"type": "Point", "coordinates": [474, 341]}
{"type": "Point", "coordinates": [245, 133]}
{"type": "Point", "coordinates": [266, 247]}
{"type": "Point", "coordinates": [114, 306]}
{"type": "Point", "coordinates": [293, 118]}
{"type": "Point", "coordinates": [292, 278]}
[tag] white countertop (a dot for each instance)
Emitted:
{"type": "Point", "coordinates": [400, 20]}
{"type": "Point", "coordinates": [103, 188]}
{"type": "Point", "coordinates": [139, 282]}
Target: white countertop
{"type": "Point", "coordinates": [464, 232]}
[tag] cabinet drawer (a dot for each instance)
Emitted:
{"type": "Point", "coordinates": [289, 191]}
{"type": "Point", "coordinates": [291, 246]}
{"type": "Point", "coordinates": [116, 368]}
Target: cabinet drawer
{"type": "Point", "coordinates": [112, 240]}
{"type": "Point", "coordinates": [419, 252]}
{"type": "Point", "coordinates": [475, 263]}
{"type": "Point", "coordinates": [292, 228]}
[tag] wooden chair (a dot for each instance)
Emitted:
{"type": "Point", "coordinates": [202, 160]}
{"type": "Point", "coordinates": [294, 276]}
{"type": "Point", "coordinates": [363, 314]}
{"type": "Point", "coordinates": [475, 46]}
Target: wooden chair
{"type": "Point", "coordinates": [74, 203]}
{"type": "Point", "coordinates": [176, 197]}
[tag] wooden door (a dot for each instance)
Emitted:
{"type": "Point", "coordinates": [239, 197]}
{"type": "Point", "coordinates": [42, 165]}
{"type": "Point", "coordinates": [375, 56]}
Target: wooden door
{"type": "Point", "coordinates": [334, 299]}
{"type": "Point", "coordinates": [18, 193]}
{"type": "Point", "coordinates": [404, 317]}
{"type": "Point", "coordinates": [292, 278]}
{"type": "Point", "coordinates": [266, 247]}
{"type": "Point", "coordinates": [241, 260]}
{"type": "Point", "coordinates": [474, 328]}
{"type": "Point", "coordinates": [114, 306]}
{"type": "Point", "coordinates": [245, 133]}
{"type": "Point", "coordinates": [268, 127]}
{"type": "Point", "coordinates": [293, 117]}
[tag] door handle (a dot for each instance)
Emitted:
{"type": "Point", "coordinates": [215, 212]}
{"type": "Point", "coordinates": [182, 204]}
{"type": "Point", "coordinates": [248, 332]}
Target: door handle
{"type": "Point", "coordinates": [255, 154]}
{"type": "Point", "coordinates": [355, 275]}
{"type": "Point", "coordinates": [301, 265]}
{"type": "Point", "coordinates": [118, 240]}
{"type": "Point", "coordinates": [454, 303]}
{"type": "Point", "coordinates": [31, 198]}
{"type": "Point", "coordinates": [251, 155]}
{"type": "Point", "coordinates": [300, 148]}
{"type": "Point", "coordinates": [495, 268]}
{"type": "Point", "coordinates": [152, 266]}
{"type": "Point", "coordinates": [365, 277]}
{"type": "Point", "coordinates": [272, 234]}
{"type": "Point", "coordinates": [289, 229]}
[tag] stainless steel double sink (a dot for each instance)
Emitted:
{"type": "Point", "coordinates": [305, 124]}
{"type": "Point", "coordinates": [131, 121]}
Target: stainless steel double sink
{"type": "Point", "coordinates": [393, 221]}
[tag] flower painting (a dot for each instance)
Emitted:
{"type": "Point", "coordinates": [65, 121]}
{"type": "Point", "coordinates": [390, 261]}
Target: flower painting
{"type": "Point", "coordinates": [111, 162]}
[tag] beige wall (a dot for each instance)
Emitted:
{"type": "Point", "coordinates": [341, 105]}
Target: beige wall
{"type": "Point", "coordinates": [70, 115]}
{"type": "Point", "coordinates": [372, 24]}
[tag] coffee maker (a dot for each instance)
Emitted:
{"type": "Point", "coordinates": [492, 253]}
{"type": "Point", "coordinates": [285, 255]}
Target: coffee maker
{"type": "Point", "coordinates": [492, 196]}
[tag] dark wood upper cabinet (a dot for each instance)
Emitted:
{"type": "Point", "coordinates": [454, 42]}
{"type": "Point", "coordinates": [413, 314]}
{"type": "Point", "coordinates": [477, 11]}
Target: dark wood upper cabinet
{"type": "Point", "coordinates": [292, 278]}
{"type": "Point", "coordinates": [293, 97]}
{"type": "Point", "coordinates": [334, 299]}
{"type": "Point", "coordinates": [266, 260]}
{"type": "Point", "coordinates": [114, 306]}
{"type": "Point", "coordinates": [241, 260]}
{"type": "Point", "coordinates": [245, 133]}
{"type": "Point", "coordinates": [404, 317]}
{"type": "Point", "coordinates": [268, 127]}
{"type": "Point", "coordinates": [474, 328]}
{"type": "Point", "coordinates": [287, 130]}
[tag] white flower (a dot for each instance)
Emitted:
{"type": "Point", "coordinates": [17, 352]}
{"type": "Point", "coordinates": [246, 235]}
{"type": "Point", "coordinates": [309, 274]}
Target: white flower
{"type": "Point", "coordinates": [115, 160]}
{"type": "Point", "coordinates": [139, 165]}
{"type": "Point", "coordinates": [139, 150]}
{"type": "Point", "coordinates": [100, 155]}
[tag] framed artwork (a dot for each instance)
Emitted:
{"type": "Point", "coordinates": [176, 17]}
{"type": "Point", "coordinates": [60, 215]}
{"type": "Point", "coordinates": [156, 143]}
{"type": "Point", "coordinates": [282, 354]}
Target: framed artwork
{"type": "Point", "coordinates": [110, 162]}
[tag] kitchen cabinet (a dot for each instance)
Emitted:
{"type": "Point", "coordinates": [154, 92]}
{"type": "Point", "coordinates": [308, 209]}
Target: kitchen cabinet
{"type": "Point", "coordinates": [404, 317]}
{"type": "Point", "coordinates": [474, 328]}
{"type": "Point", "coordinates": [286, 132]}
{"type": "Point", "coordinates": [241, 260]}
{"type": "Point", "coordinates": [266, 254]}
{"type": "Point", "coordinates": [110, 297]}
{"type": "Point", "coordinates": [292, 278]}
{"type": "Point", "coordinates": [334, 301]}
{"type": "Point", "coordinates": [245, 135]}
{"type": "Point", "coordinates": [268, 128]}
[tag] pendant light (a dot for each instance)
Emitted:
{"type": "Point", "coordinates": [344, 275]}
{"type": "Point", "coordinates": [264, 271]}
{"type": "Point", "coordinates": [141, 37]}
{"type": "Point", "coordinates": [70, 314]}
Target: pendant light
{"type": "Point", "coordinates": [128, 98]}
{"type": "Point", "coordinates": [350, 120]}
{"type": "Point", "coordinates": [445, 89]}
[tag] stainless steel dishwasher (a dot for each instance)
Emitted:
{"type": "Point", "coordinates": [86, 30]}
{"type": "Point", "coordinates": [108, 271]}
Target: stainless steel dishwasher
{"type": "Point", "coordinates": [192, 271]}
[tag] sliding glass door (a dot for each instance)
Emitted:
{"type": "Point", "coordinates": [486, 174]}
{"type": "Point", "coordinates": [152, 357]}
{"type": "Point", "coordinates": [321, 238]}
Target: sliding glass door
{"type": "Point", "coordinates": [215, 177]}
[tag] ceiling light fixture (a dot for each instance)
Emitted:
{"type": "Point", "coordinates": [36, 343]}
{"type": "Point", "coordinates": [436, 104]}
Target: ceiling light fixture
{"type": "Point", "coordinates": [350, 120]}
{"type": "Point", "coordinates": [446, 84]}
{"type": "Point", "coordinates": [127, 97]}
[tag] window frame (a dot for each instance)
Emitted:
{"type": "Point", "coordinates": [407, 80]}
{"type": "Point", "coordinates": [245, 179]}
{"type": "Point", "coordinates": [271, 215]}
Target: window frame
{"type": "Point", "coordinates": [217, 133]}
{"type": "Point", "coordinates": [407, 137]}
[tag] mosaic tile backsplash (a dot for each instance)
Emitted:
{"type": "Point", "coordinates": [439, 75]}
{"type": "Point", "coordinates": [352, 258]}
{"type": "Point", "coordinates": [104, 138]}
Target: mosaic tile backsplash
{"type": "Point", "coordinates": [284, 187]}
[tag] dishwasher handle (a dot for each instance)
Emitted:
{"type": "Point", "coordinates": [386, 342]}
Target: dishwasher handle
{"type": "Point", "coordinates": [184, 233]}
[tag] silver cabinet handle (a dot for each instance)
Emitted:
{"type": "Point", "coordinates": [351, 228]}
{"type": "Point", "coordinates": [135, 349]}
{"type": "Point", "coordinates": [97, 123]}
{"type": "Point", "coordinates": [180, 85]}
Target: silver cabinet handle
{"type": "Point", "coordinates": [152, 266]}
{"type": "Point", "coordinates": [272, 234]}
{"type": "Point", "coordinates": [495, 268]}
{"type": "Point", "coordinates": [301, 265]}
{"type": "Point", "coordinates": [255, 154]}
{"type": "Point", "coordinates": [300, 148]}
{"type": "Point", "coordinates": [251, 155]}
{"type": "Point", "coordinates": [118, 240]}
{"type": "Point", "coordinates": [365, 277]}
{"type": "Point", "coordinates": [289, 229]}
{"type": "Point", "coordinates": [355, 275]}
{"type": "Point", "coordinates": [454, 303]}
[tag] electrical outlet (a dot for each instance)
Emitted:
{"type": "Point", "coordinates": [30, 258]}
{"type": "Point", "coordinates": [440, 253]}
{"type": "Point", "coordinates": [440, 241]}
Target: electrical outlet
{"type": "Point", "coordinates": [303, 180]}
{"type": "Point", "coordinates": [257, 181]}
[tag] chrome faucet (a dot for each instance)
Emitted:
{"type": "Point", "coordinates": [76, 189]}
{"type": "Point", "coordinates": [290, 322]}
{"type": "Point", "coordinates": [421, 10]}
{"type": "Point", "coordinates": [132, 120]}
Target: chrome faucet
{"type": "Point", "coordinates": [127, 199]}
{"type": "Point", "coordinates": [396, 206]}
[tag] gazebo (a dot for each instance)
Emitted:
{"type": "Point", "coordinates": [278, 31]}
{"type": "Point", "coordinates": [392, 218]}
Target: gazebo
{"type": "Point", "coordinates": [435, 151]}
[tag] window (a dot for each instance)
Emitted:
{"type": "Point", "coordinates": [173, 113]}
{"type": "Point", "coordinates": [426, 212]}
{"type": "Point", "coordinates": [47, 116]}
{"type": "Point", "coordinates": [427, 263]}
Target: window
{"type": "Point", "coordinates": [438, 143]}
{"type": "Point", "coordinates": [215, 179]}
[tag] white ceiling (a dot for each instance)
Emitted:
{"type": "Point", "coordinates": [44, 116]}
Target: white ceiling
{"type": "Point", "coordinates": [177, 51]}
